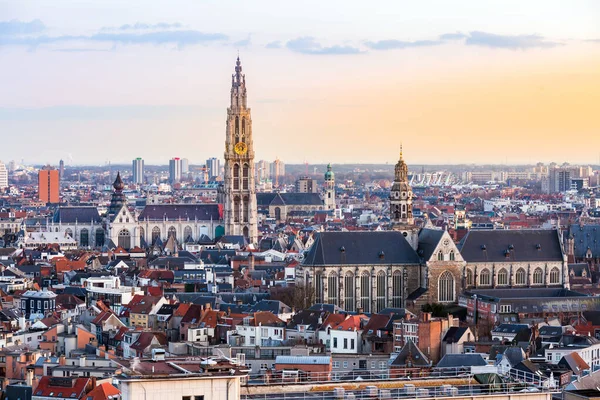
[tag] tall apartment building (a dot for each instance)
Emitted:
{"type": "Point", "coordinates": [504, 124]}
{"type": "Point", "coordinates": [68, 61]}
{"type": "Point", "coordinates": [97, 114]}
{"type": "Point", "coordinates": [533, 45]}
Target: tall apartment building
{"type": "Point", "coordinates": [61, 169]}
{"type": "Point", "coordinates": [49, 185]}
{"type": "Point", "coordinates": [214, 168]}
{"type": "Point", "coordinates": [306, 184]}
{"type": "Point", "coordinates": [185, 166]}
{"type": "Point", "coordinates": [138, 171]}
{"type": "Point", "coordinates": [3, 176]}
{"type": "Point", "coordinates": [175, 170]}
{"type": "Point", "coordinates": [277, 170]}
{"type": "Point", "coordinates": [263, 171]}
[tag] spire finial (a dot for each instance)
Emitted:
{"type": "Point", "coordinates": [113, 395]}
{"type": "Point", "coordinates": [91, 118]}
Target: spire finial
{"type": "Point", "coordinates": [401, 150]}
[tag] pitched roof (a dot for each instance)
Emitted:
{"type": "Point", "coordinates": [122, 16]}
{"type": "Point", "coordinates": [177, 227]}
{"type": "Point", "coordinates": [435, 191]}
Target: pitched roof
{"type": "Point", "coordinates": [361, 248]}
{"type": "Point", "coordinates": [428, 241]}
{"type": "Point", "coordinates": [511, 245]}
{"type": "Point", "coordinates": [50, 386]}
{"type": "Point", "coordinates": [103, 391]}
{"type": "Point", "coordinates": [79, 214]}
{"type": "Point", "coordinates": [145, 339]}
{"type": "Point", "coordinates": [461, 360]}
{"type": "Point", "coordinates": [454, 334]}
{"type": "Point", "coordinates": [585, 237]}
{"type": "Point", "coordinates": [296, 199]}
{"type": "Point", "coordinates": [410, 354]}
{"type": "Point", "coordinates": [173, 212]}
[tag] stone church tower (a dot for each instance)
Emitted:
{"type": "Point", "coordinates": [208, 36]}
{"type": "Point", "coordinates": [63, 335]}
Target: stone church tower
{"type": "Point", "coordinates": [401, 205]}
{"type": "Point", "coordinates": [239, 189]}
{"type": "Point", "coordinates": [329, 194]}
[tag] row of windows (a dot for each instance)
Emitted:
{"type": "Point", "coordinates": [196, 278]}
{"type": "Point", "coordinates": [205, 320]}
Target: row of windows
{"type": "Point", "coordinates": [485, 277]}
{"type": "Point", "coordinates": [345, 347]}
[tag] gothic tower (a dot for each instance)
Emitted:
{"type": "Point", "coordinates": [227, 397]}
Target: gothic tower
{"type": "Point", "coordinates": [329, 195]}
{"type": "Point", "coordinates": [401, 205]}
{"type": "Point", "coordinates": [239, 188]}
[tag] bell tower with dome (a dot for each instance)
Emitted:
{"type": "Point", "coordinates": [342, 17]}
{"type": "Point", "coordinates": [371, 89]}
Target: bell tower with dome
{"type": "Point", "coordinates": [239, 189]}
{"type": "Point", "coordinates": [329, 194]}
{"type": "Point", "coordinates": [401, 204]}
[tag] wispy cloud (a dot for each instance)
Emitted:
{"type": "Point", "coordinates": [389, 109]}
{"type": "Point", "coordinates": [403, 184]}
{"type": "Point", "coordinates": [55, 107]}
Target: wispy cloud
{"type": "Point", "coordinates": [308, 45]}
{"type": "Point", "coordinates": [143, 26]}
{"type": "Point", "coordinates": [477, 38]}
{"type": "Point", "coordinates": [453, 36]}
{"type": "Point", "coordinates": [99, 113]}
{"type": "Point", "coordinates": [243, 43]}
{"type": "Point", "coordinates": [16, 27]}
{"type": "Point", "coordinates": [273, 45]}
{"type": "Point", "coordinates": [400, 44]}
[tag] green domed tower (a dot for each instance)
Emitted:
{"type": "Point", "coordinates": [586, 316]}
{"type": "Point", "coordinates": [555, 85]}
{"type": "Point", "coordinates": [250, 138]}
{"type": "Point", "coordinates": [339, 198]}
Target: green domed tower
{"type": "Point", "coordinates": [329, 194]}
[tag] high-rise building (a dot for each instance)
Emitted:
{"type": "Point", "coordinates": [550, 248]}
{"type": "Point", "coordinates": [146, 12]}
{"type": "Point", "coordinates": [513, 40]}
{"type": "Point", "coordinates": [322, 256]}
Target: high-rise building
{"type": "Point", "coordinates": [185, 166]}
{"type": "Point", "coordinates": [277, 170]}
{"type": "Point", "coordinates": [138, 171]}
{"type": "Point", "coordinates": [61, 170]}
{"type": "Point", "coordinates": [240, 212]}
{"type": "Point", "coordinates": [49, 185]}
{"type": "Point", "coordinates": [305, 184]}
{"type": "Point", "coordinates": [214, 167]}
{"type": "Point", "coordinates": [263, 170]}
{"type": "Point", "coordinates": [175, 170]}
{"type": "Point", "coordinates": [3, 176]}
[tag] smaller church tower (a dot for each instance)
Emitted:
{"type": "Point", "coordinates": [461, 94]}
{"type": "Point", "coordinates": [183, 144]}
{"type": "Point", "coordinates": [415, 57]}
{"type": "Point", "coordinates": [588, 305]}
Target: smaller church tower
{"type": "Point", "coordinates": [329, 195]}
{"type": "Point", "coordinates": [401, 204]}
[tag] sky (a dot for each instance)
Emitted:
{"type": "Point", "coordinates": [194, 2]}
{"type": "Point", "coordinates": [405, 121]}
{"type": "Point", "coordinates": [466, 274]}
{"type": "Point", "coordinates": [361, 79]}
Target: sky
{"type": "Point", "coordinates": [455, 82]}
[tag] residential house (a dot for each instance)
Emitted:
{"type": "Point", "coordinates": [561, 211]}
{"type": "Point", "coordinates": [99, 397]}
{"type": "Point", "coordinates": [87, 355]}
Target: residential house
{"type": "Point", "coordinates": [261, 329]}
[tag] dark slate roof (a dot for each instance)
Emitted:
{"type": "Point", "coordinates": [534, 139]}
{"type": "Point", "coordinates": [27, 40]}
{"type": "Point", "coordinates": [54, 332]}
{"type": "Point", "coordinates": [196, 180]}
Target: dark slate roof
{"type": "Point", "coordinates": [527, 245]}
{"type": "Point", "coordinates": [585, 237]}
{"type": "Point", "coordinates": [70, 215]}
{"type": "Point", "coordinates": [461, 360]}
{"type": "Point", "coordinates": [200, 212]}
{"type": "Point", "coordinates": [410, 352]}
{"type": "Point", "coordinates": [551, 330]}
{"type": "Point", "coordinates": [514, 354]}
{"type": "Point", "coordinates": [233, 239]}
{"type": "Point", "coordinates": [361, 248]}
{"type": "Point", "coordinates": [330, 308]}
{"type": "Point", "coordinates": [579, 269]}
{"type": "Point", "coordinates": [313, 319]}
{"type": "Point", "coordinates": [509, 328]}
{"type": "Point", "coordinates": [295, 199]}
{"type": "Point", "coordinates": [428, 241]}
{"type": "Point", "coordinates": [454, 334]}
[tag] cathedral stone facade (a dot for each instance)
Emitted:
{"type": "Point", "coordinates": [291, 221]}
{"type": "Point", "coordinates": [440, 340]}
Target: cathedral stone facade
{"type": "Point", "coordinates": [240, 209]}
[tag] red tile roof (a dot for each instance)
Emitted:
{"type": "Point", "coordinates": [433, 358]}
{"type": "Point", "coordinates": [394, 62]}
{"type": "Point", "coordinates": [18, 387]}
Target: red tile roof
{"type": "Point", "coordinates": [66, 388]}
{"type": "Point", "coordinates": [104, 391]}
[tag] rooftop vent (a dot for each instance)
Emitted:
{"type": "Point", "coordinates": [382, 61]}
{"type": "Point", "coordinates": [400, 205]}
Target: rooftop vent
{"type": "Point", "coordinates": [342, 249]}
{"type": "Point", "coordinates": [538, 246]}
{"type": "Point", "coordinates": [511, 247]}
{"type": "Point", "coordinates": [483, 247]}
{"type": "Point", "coordinates": [381, 255]}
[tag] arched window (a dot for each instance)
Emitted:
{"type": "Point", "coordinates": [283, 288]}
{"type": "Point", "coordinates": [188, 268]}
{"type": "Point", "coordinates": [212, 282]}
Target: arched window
{"type": "Point", "coordinates": [484, 278]}
{"type": "Point", "coordinates": [246, 208]}
{"type": "Point", "coordinates": [172, 232]}
{"type": "Point", "coordinates": [554, 276]}
{"type": "Point", "coordinates": [469, 277]}
{"type": "Point", "coordinates": [237, 129]}
{"type": "Point", "coordinates": [188, 233]}
{"type": "Point", "coordinates": [125, 239]}
{"type": "Point", "coordinates": [349, 292]}
{"type": "Point", "coordinates": [365, 291]}
{"type": "Point", "coordinates": [452, 256]}
{"type": "Point", "coordinates": [397, 289]}
{"type": "Point", "coordinates": [538, 276]}
{"type": "Point", "coordinates": [84, 238]}
{"type": "Point", "coordinates": [236, 176]}
{"type": "Point", "coordinates": [245, 173]}
{"type": "Point", "coordinates": [277, 213]}
{"type": "Point", "coordinates": [446, 287]}
{"type": "Point", "coordinates": [99, 237]}
{"type": "Point", "coordinates": [520, 277]}
{"type": "Point", "coordinates": [243, 129]}
{"type": "Point", "coordinates": [381, 300]}
{"type": "Point", "coordinates": [155, 234]}
{"type": "Point", "coordinates": [319, 287]}
{"type": "Point", "coordinates": [503, 277]}
{"type": "Point", "coordinates": [69, 232]}
{"type": "Point", "coordinates": [332, 289]}
{"type": "Point", "coordinates": [440, 256]}
{"type": "Point", "coordinates": [236, 209]}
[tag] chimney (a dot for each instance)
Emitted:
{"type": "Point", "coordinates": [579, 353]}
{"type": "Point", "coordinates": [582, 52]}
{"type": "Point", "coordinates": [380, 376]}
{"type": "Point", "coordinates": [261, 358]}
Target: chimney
{"type": "Point", "coordinates": [251, 261]}
{"type": "Point", "coordinates": [29, 376]}
{"type": "Point", "coordinates": [82, 361]}
{"type": "Point", "coordinates": [62, 360]}
{"type": "Point", "coordinates": [207, 306]}
{"type": "Point", "coordinates": [425, 317]}
{"type": "Point", "coordinates": [93, 379]}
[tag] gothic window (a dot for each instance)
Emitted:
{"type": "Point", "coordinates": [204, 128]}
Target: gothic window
{"type": "Point", "coordinates": [319, 288]}
{"type": "Point", "coordinates": [172, 232]}
{"type": "Point", "coordinates": [469, 277]}
{"type": "Point", "coordinates": [554, 276]}
{"type": "Point", "coordinates": [446, 287]}
{"type": "Point", "coordinates": [69, 232]}
{"type": "Point", "coordinates": [520, 277]}
{"type": "Point", "coordinates": [365, 291]}
{"type": "Point", "coordinates": [452, 256]}
{"type": "Point", "coordinates": [236, 209]}
{"type": "Point", "coordinates": [188, 233]}
{"type": "Point", "coordinates": [84, 238]}
{"type": "Point", "coordinates": [349, 302]}
{"type": "Point", "coordinates": [381, 290]}
{"type": "Point", "coordinates": [142, 234]}
{"type": "Point", "coordinates": [99, 237]}
{"type": "Point", "coordinates": [244, 130]}
{"type": "Point", "coordinates": [237, 129]}
{"type": "Point", "coordinates": [245, 177]}
{"type": "Point", "coordinates": [502, 277]}
{"type": "Point", "coordinates": [125, 239]}
{"type": "Point", "coordinates": [236, 176]}
{"type": "Point", "coordinates": [538, 276]}
{"type": "Point", "coordinates": [155, 234]}
{"type": "Point", "coordinates": [277, 213]}
{"type": "Point", "coordinates": [246, 210]}
{"type": "Point", "coordinates": [245, 232]}
{"type": "Point", "coordinates": [397, 289]}
{"type": "Point", "coordinates": [484, 277]}
{"type": "Point", "coordinates": [440, 256]}
{"type": "Point", "coordinates": [332, 289]}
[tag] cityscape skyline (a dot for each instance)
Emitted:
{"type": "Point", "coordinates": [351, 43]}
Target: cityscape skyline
{"type": "Point", "coordinates": [527, 84]}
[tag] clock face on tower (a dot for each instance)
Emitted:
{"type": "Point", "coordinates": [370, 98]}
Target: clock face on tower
{"type": "Point", "coordinates": [240, 148]}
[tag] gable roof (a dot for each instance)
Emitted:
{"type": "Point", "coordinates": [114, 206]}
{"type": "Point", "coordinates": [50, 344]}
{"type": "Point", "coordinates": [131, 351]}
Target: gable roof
{"type": "Point", "coordinates": [361, 248]}
{"type": "Point", "coordinates": [585, 237]}
{"type": "Point", "coordinates": [288, 199]}
{"type": "Point", "coordinates": [461, 360]}
{"type": "Point", "coordinates": [511, 245]}
{"type": "Point", "coordinates": [79, 214]}
{"type": "Point", "coordinates": [454, 334]}
{"type": "Point", "coordinates": [410, 353]}
{"type": "Point", "coordinates": [428, 242]}
{"type": "Point", "coordinates": [174, 212]}
{"type": "Point", "coordinates": [103, 391]}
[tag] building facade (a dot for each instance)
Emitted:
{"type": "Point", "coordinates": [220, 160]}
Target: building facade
{"type": "Point", "coordinates": [175, 170]}
{"type": "Point", "coordinates": [329, 193]}
{"type": "Point", "coordinates": [3, 176]}
{"type": "Point", "coordinates": [138, 171]}
{"type": "Point", "coordinates": [49, 185]}
{"type": "Point", "coordinates": [401, 204]}
{"type": "Point", "coordinates": [240, 213]}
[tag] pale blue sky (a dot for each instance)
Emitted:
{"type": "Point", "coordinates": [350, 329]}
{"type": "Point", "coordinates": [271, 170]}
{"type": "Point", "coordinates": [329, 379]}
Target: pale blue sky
{"type": "Point", "coordinates": [114, 80]}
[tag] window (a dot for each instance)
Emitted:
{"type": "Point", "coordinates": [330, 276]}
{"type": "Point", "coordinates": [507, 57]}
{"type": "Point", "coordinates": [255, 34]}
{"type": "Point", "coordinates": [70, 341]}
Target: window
{"type": "Point", "coordinates": [452, 256]}
{"type": "Point", "coordinates": [45, 304]}
{"type": "Point", "coordinates": [335, 343]}
{"type": "Point", "coordinates": [520, 277]}
{"type": "Point", "coordinates": [345, 364]}
{"type": "Point", "coordinates": [469, 277]}
{"type": "Point", "coordinates": [505, 308]}
{"type": "Point", "coordinates": [186, 398]}
{"type": "Point", "coordinates": [397, 289]}
{"type": "Point", "coordinates": [484, 277]}
{"type": "Point", "coordinates": [351, 344]}
{"type": "Point", "coordinates": [373, 364]}
{"type": "Point", "coordinates": [502, 277]}
{"type": "Point", "coordinates": [440, 256]}
{"type": "Point", "coordinates": [365, 291]}
{"type": "Point", "coordinates": [198, 397]}
{"type": "Point", "coordinates": [336, 364]}
{"type": "Point", "coordinates": [345, 343]}
{"type": "Point", "coordinates": [382, 364]}
{"type": "Point", "coordinates": [554, 276]}
{"type": "Point", "coordinates": [332, 289]}
{"type": "Point", "coordinates": [538, 276]}
{"type": "Point", "coordinates": [381, 300]}
{"type": "Point", "coordinates": [349, 302]}
{"type": "Point", "coordinates": [446, 287]}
